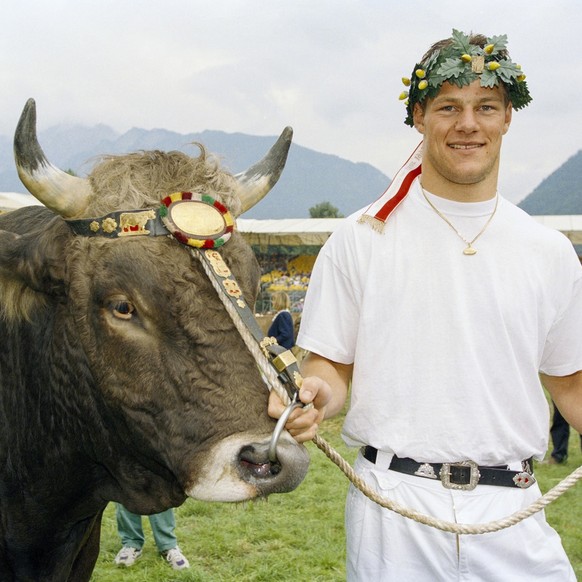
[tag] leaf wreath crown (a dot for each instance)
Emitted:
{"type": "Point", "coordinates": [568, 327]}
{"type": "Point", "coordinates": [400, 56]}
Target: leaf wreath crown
{"type": "Point", "coordinates": [460, 62]}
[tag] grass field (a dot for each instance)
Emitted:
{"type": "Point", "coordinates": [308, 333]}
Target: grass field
{"type": "Point", "coordinates": [297, 536]}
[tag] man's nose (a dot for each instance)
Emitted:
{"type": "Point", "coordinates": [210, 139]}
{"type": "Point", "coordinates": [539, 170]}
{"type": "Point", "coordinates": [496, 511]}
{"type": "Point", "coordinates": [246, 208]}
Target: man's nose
{"type": "Point", "coordinates": [467, 121]}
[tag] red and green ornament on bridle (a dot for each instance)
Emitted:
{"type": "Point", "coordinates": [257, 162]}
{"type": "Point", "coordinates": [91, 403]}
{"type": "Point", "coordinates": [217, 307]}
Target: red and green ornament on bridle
{"type": "Point", "coordinates": [461, 63]}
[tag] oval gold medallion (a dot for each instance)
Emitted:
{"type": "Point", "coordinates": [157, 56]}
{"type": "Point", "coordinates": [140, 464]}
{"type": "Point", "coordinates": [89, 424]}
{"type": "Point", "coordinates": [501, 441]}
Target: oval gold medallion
{"type": "Point", "coordinates": [198, 218]}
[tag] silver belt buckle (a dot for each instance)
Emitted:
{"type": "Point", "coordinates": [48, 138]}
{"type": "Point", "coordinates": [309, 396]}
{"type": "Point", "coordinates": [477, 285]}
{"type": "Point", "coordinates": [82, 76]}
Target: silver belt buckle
{"type": "Point", "coordinates": [524, 480]}
{"type": "Point", "coordinates": [445, 475]}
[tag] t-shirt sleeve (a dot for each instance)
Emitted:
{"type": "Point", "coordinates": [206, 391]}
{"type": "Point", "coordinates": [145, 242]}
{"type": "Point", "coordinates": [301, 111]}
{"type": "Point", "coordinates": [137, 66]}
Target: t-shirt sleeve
{"type": "Point", "coordinates": [563, 350]}
{"type": "Point", "coordinates": [329, 324]}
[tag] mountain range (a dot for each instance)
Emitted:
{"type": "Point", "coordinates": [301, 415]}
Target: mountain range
{"type": "Point", "coordinates": [309, 178]}
{"type": "Point", "coordinates": [560, 192]}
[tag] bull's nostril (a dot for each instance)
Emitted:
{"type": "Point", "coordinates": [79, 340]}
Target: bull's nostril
{"type": "Point", "coordinates": [250, 454]}
{"type": "Point", "coordinates": [257, 469]}
{"type": "Point", "coordinates": [268, 476]}
{"type": "Point", "coordinates": [261, 470]}
{"type": "Point", "coordinates": [255, 463]}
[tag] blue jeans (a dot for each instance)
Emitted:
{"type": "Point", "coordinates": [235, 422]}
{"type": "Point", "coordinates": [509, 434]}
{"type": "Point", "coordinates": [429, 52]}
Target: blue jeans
{"type": "Point", "coordinates": [130, 528]}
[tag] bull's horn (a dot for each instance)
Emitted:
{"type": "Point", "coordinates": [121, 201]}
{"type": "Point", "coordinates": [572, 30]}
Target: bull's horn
{"type": "Point", "coordinates": [64, 194]}
{"type": "Point", "coordinates": [255, 183]}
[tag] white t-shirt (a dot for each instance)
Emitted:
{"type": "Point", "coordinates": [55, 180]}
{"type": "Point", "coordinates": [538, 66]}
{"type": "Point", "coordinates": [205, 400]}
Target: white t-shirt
{"type": "Point", "coordinates": [447, 347]}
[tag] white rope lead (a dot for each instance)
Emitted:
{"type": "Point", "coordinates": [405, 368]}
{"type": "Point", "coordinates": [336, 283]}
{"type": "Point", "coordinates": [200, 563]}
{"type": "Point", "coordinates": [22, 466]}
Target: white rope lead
{"type": "Point", "coordinates": [269, 373]}
{"type": "Point", "coordinates": [274, 383]}
{"type": "Point", "coordinates": [457, 528]}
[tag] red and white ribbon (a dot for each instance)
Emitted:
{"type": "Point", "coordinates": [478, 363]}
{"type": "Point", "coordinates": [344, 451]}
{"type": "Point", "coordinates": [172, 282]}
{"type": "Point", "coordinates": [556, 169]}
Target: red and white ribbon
{"type": "Point", "coordinates": [378, 212]}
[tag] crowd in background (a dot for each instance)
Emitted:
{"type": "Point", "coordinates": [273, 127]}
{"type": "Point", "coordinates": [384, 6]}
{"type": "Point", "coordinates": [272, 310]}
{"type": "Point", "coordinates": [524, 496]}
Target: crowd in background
{"type": "Point", "coordinates": [283, 273]}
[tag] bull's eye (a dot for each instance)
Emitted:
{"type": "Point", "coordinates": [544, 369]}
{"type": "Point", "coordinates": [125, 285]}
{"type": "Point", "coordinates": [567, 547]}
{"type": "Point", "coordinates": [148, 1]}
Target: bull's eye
{"type": "Point", "coordinates": [123, 309]}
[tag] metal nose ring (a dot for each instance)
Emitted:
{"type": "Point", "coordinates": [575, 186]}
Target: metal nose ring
{"type": "Point", "coordinates": [279, 428]}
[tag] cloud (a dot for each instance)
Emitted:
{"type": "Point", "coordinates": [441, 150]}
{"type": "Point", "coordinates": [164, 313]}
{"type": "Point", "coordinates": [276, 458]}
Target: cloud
{"type": "Point", "coordinates": [330, 68]}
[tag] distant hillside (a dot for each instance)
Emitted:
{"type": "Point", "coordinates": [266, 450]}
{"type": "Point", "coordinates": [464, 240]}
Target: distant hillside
{"type": "Point", "coordinates": [309, 177]}
{"type": "Point", "coordinates": [559, 193]}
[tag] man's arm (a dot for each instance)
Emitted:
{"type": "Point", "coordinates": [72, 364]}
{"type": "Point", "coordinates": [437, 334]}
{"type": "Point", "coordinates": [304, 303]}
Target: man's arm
{"type": "Point", "coordinates": [566, 392]}
{"type": "Point", "coordinates": [325, 385]}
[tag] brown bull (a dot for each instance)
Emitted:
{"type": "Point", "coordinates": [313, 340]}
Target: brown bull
{"type": "Point", "coordinates": [122, 377]}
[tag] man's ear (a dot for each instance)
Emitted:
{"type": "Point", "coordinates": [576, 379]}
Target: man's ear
{"type": "Point", "coordinates": [418, 117]}
{"type": "Point", "coordinates": [508, 117]}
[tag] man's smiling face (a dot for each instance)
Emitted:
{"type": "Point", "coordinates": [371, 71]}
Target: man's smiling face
{"type": "Point", "coordinates": [463, 128]}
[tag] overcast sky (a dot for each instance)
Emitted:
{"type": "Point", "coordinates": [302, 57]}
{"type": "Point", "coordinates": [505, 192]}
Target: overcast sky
{"type": "Point", "coordinates": [330, 68]}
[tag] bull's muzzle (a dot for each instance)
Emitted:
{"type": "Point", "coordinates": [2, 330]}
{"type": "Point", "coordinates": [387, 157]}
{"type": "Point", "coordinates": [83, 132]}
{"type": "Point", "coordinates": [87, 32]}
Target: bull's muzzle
{"type": "Point", "coordinates": [278, 476]}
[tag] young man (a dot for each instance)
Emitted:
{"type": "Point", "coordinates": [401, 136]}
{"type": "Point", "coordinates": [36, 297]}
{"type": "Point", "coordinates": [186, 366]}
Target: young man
{"type": "Point", "coordinates": [441, 304]}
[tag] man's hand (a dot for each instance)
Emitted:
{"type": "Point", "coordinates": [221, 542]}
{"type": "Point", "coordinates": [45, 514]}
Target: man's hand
{"type": "Point", "coordinates": [325, 385]}
{"type": "Point", "coordinates": [303, 423]}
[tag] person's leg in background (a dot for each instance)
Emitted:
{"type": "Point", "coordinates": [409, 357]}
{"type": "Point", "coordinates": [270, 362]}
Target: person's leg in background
{"type": "Point", "coordinates": [129, 527]}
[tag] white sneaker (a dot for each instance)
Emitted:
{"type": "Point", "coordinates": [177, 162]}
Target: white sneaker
{"type": "Point", "coordinates": [127, 556]}
{"type": "Point", "coordinates": [176, 559]}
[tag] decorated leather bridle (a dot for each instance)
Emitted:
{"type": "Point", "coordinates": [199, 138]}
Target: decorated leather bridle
{"type": "Point", "coordinates": [205, 224]}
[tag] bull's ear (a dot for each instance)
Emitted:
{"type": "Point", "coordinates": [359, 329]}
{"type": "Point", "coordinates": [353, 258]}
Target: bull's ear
{"type": "Point", "coordinates": [29, 273]}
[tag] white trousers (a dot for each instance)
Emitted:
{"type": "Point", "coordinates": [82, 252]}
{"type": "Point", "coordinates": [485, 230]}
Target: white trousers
{"type": "Point", "coordinates": [383, 546]}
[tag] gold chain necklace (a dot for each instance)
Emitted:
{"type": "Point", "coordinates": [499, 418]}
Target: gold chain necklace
{"type": "Point", "coordinates": [468, 250]}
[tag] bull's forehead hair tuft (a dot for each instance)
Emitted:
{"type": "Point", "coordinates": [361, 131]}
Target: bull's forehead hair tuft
{"type": "Point", "coordinates": [142, 179]}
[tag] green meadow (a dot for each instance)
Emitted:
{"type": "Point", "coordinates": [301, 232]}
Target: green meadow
{"type": "Point", "coordinates": [297, 536]}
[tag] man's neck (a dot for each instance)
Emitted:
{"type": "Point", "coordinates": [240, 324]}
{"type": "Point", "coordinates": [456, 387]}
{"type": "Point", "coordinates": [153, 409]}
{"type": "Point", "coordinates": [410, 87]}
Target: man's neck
{"type": "Point", "coordinates": [438, 185]}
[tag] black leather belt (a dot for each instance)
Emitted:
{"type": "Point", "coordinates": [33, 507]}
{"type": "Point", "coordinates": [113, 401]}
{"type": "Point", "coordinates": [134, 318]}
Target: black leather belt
{"type": "Point", "coordinates": [465, 475]}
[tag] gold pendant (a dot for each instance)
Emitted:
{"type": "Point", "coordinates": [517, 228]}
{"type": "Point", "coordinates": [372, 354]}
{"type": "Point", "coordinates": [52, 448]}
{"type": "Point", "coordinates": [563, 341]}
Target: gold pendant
{"type": "Point", "coordinates": [469, 251]}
